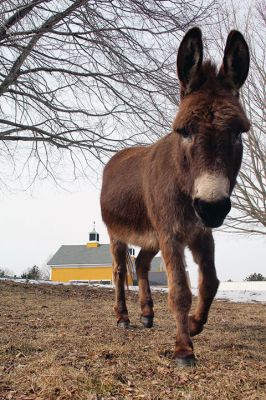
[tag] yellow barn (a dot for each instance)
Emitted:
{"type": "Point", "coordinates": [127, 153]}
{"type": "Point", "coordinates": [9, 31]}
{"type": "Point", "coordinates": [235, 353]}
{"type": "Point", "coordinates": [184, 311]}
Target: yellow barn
{"type": "Point", "coordinates": [90, 262]}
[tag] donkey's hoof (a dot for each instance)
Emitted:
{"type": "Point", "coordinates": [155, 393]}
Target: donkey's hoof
{"type": "Point", "coordinates": [147, 322]}
{"type": "Point", "coordinates": [123, 324]}
{"type": "Point", "coordinates": [186, 362]}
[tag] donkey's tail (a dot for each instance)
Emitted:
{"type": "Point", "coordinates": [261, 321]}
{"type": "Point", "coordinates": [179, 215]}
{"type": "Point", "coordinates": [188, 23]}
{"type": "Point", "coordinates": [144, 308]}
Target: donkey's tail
{"type": "Point", "coordinates": [129, 269]}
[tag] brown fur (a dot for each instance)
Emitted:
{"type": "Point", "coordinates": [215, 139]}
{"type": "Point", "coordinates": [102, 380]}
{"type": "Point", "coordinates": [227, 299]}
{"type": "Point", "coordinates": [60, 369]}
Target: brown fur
{"type": "Point", "coordinates": [147, 193]}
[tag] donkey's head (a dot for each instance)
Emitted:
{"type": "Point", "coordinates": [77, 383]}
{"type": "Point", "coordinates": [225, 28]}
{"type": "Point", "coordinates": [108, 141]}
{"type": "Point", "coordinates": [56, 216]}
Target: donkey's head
{"type": "Point", "coordinates": [209, 124]}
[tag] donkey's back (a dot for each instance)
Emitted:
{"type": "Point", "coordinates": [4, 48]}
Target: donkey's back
{"type": "Point", "coordinates": [133, 182]}
{"type": "Point", "coordinates": [123, 202]}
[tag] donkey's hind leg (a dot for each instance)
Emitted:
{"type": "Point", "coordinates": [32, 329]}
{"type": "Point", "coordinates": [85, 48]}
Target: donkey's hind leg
{"type": "Point", "coordinates": [119, 251]}
{"type": "Point", "coordinates": [143, 262]}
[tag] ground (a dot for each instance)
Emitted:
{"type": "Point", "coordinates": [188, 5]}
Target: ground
{"type": "Point", "coordinates": [61, 342]}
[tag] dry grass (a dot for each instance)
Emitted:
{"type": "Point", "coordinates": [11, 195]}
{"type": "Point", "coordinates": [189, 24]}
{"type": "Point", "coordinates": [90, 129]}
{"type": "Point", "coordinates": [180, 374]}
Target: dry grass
{"type": "Point", "coordinates": [62, 343]}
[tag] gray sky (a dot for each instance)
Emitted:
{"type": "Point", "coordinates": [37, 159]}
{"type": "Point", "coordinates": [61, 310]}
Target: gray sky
{"type": "Point", "coordinates": [34, 226]}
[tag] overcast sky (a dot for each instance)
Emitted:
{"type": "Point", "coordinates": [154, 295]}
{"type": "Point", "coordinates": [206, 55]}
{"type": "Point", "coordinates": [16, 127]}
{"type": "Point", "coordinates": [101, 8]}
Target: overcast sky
{"type": "Point", "coordinates": [33, 226]}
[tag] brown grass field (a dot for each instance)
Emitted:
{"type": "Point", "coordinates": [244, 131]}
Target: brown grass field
{"type": "Point", "coordinates": [61, 342]}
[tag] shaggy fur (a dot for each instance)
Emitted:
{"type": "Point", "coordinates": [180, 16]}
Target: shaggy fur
{"type": "Point", "coordinates": [148, 193]}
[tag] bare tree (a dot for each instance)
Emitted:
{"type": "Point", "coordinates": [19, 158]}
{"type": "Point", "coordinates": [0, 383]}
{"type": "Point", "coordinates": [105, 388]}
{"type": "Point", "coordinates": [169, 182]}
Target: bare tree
{"type": "Point", "coordinates": [86, 77]}
{"type": "Point", "coordinates": [255, 277]}
{"type": "Point", "coordinates": [249, 201]}
{"type": "Point", "coordinates": [6, 273]}
{"type": "Point", "coordinates": [32, 273]}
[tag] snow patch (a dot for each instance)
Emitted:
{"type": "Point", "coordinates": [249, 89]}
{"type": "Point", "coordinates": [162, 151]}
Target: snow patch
{"type": "Point", "coordinates": [239, 296]}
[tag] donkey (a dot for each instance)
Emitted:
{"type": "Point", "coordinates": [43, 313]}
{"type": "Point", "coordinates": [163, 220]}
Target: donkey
{"type": "Point", "coordinates": [170, 194]}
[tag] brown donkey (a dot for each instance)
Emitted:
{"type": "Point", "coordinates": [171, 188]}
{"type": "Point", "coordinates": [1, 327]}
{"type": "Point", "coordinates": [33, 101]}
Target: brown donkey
{"type": "Point", "coordinates": [171, 194]}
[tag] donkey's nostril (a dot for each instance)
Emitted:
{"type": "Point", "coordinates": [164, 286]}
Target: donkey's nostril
{"type": "Point", "coordinates": [198, 205]}
{"type": "Point", "coordinates": [225, 205]}
{"type": "Point", "coordinates": [212, 213]}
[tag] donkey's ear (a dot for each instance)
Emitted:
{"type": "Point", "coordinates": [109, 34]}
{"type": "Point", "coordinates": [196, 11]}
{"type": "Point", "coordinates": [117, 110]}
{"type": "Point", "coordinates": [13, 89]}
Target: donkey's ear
{"type": "Point", "coordinates": [236, 60]}
{"type": "Point", "coordinates": [189, 57]}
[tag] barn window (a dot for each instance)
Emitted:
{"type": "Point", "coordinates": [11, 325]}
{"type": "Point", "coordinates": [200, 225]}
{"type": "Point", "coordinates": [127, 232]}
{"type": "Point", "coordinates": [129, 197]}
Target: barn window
{"type": "Point", "coordinates": [92, 237]}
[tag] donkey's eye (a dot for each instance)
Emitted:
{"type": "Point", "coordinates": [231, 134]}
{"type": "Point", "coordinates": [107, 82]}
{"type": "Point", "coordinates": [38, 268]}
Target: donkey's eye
{"type": "Point", "coordinates": [184, 132]}
{"type": "Point", "coordinates": [237, 136]}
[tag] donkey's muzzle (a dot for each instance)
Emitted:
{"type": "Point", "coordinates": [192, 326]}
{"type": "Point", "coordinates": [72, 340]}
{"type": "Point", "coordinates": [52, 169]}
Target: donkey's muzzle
{"type": "Point", "coordinates": [212, 214]}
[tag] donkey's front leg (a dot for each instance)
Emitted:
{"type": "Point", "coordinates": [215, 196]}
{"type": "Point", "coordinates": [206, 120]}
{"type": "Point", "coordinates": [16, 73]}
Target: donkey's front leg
{"type": "Point", "coordinates": [180, 298]}
{"type": "Point", "coordinates": [202, 248]}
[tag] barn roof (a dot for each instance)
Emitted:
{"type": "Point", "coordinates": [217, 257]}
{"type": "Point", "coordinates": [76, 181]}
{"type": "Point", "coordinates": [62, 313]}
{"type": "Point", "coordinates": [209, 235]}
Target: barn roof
{"type": "Point", "coordinates": [82, 255]}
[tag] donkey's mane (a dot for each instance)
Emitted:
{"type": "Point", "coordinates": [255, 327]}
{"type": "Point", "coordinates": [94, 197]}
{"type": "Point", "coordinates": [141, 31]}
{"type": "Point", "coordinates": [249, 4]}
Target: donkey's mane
{"type": "Point", "coordinates": [206, 78]}
{"type": "Point", "coordinates": [209, 70]}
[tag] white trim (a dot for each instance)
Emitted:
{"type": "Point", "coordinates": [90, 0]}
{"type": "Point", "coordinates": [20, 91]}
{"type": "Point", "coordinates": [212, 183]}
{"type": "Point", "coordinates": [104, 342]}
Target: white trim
{"type": "Point", "coordinates": [80, 266]}
{"type": "Point", "coordinates": [90, 281]}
